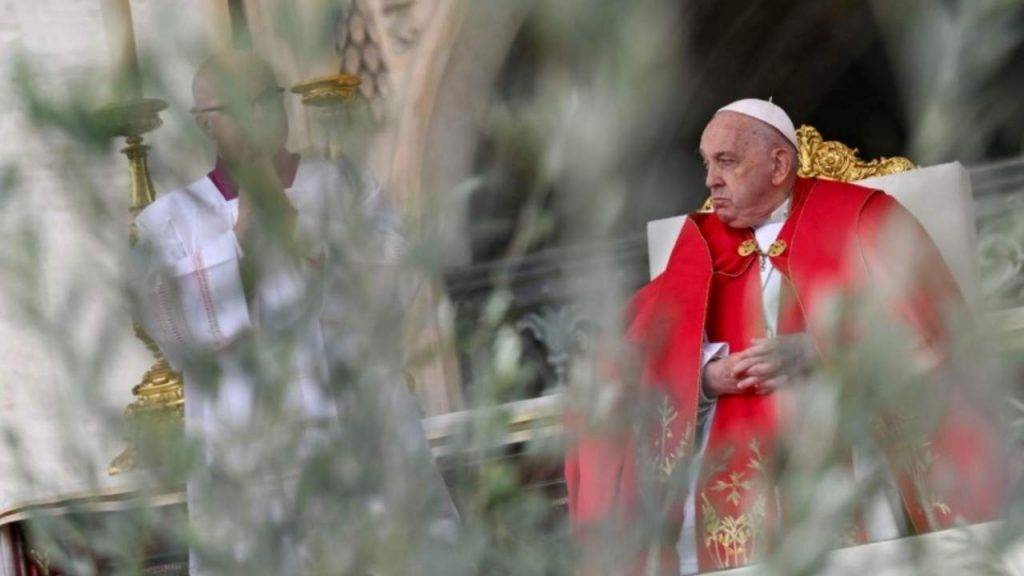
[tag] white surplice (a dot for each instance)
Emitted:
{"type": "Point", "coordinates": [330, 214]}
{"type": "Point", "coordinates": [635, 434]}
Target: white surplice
{"type": "Point", "coordinates": [193, 299]}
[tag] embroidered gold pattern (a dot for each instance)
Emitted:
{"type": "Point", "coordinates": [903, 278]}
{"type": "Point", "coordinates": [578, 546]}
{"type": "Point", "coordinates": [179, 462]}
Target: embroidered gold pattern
{"type": "Point", "coordinates": [668, 455]}
{"type": "Point", "coordinates": [917, 457]}
{"type": "Point", "coordinates": [732, 539]}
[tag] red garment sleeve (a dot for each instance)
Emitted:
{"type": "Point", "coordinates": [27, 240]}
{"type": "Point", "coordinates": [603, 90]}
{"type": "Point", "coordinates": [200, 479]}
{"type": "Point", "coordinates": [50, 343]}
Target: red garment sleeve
{"type": "Point", "coordinates": [960, 471]}
{"type": "Point", "coordinates": [597, 462]}
{"type": "Point", "coordinates": [905, 265]}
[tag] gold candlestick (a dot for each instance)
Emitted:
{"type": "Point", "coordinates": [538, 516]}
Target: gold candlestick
{"type": "Point", "coordinates": [159, 397]}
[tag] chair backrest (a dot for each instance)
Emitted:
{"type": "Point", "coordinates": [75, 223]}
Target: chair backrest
{"type": "Point", "coordinates": [938, 196]}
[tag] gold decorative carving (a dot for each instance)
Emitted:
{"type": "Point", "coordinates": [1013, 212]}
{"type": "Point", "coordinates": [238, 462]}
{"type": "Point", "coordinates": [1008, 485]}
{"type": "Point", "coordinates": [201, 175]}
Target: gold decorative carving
{"type": "Point", "coordinates": [833, 160]}
{"type": "Point", "coordinates": [160, 393]}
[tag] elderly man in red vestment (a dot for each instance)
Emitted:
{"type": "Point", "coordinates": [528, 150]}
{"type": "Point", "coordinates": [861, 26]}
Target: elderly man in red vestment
{"type": "Point", "coordinates": [737, 319]}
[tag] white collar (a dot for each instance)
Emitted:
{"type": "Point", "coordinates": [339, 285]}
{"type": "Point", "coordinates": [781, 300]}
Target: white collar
{"type": "Point", "coordinates": [779, 215]}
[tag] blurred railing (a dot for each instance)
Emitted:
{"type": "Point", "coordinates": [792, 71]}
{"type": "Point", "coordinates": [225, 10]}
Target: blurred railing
{"type": "Point", "coordinates": [544, 289]}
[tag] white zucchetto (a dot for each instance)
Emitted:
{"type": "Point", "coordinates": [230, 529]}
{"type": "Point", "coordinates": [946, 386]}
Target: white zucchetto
{"type": "Point", "coordinates": [766, 112]}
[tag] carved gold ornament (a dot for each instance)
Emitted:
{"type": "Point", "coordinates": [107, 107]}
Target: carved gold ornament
{"type": "Point", "coordinates": [833, 160]}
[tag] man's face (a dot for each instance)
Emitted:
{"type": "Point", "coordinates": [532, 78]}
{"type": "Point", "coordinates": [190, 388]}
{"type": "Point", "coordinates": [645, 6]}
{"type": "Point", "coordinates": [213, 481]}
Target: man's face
{"type": "Point", "coordinates": [739, 170]}
{"type": "Point", "coordinates": [249, 122]}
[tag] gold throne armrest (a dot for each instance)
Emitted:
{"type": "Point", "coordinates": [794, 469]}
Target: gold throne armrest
{"type": "Point", "coordinates": [833, 160]}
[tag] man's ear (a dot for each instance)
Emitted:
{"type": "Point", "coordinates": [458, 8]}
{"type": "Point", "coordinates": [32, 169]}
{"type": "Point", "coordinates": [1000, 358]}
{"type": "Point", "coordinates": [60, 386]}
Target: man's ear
{"type": "Point", "coordinates": [782, 163]}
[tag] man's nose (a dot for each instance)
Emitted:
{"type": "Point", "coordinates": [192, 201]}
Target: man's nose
{"type": "Point", "coordinates": [712, 179]}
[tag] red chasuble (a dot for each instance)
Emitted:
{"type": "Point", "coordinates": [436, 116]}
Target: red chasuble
{"type": "Point", "coordinates": [835, 241]}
